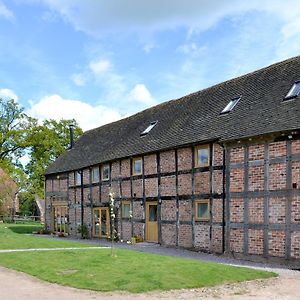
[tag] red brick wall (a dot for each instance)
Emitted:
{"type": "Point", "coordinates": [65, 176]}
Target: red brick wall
{"type": "Point", "coordinates": [256, 210]}
{"type": "Point", "coordinates": [168, 210]}
{"type": "Point", "coordinates": [185, 236]}
{"type": "Point", "coordinates": [237, 210]}
{"type": "Point", "coordinates": [202, 183]}
{"type": "Point", "coordinates": [167, 161]}
{"type": "Point", "coordinates": [256, 241]}
{"type": "Point", "coordinates": [184, 184]}
{"type": "Point", "coordinates": [184, 157]}
{"type": "Point", "coordinates": [168, 234]}
{"type": "Point", "coordinates": [236, 180]}
{"type": "Point", "coordinates": [237, 240]}
{"type": "Point", "coordinates": [185, 209]}
{"type": "Point", "coordinates": [277, 149]}
{"type": "Point", "coordinates": [151, 187]}
{"type": "Point", "coordinates": [202, 237]}
{"type": "Point", "coordinates": [150, 164]}
{"type": "Point", "coordinates": [115, 170]}
{"type": "Point", "coordinates": [276, 243]}
{"type": "Point", "coordinates": [256, 178]}
{"type": "Point", "coordinates": [168, 186]}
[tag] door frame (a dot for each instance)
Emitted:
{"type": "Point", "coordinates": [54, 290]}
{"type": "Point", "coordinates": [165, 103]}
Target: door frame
{"type": "Point", "coordinates": [100, 235]}
{"type": "Point", "coordinates": [146, 221]}
{"type": "Point", "coordinates": [63, 225]}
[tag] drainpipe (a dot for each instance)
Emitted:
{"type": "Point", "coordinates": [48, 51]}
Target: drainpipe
{"type": "Point", "coordinates": [71, 127]}
{"type": "Point", "coordinates": [82, 197]}
{"type": "Point", "coordinates": [223, 199]}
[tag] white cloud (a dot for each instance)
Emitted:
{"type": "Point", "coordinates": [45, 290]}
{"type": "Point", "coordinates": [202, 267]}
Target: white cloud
{"type": "Point", "coordinates": [6, 13]}
{"type": "Point", "coordinates": [141, 94]}
{"type": "Point", "coordinates": [57, 108]}
{"type": "Point", "coordinates": [79, 79]}
{"type": "Point", "coordinates": [99, 67]}
{"type": "Point", "coordinates": [191, 49]}
{"type": "Point", "coordinates": [8, 94]}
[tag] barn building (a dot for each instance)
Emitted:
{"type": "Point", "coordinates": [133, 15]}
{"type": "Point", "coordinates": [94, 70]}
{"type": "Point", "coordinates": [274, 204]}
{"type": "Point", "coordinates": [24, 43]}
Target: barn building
{"type": "Point", "coordinates": [217, 171]}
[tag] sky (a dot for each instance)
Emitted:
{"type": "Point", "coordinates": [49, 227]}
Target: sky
{"type": "Point", "coordinates": [98, 61]}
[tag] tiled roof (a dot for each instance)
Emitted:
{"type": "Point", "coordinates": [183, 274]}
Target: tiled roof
{"type": "Point", "coordinates": [196, 118]}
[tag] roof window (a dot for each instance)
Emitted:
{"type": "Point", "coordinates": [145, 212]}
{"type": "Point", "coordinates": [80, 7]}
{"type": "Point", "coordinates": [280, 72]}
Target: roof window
{"type": "Point", "coordinates": [294, 91]}
{"type": "Point", "coordinates": [229, 107]}
{"type": "Point", "coordinates": [149, 128]}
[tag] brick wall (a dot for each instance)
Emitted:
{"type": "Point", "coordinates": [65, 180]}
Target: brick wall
{"type": "Point", "coordinates": [267, 210]}
{"type": "Point", "coordinates": [175, 201]}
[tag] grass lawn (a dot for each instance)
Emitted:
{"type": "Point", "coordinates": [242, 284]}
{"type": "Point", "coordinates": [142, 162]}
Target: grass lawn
{"type": "Point", "coordinates": [16, 236]}
{"type": "Point", "coordinates": [130, 270]}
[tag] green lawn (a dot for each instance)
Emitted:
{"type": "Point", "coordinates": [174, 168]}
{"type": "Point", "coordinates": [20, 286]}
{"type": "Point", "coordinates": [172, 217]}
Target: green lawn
{"type": "Point", "coordinates": [130, 270]}
{"type": "Point", "coordinates": [15, 236]}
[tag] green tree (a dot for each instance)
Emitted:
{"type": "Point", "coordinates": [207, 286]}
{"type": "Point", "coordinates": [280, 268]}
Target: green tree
{"type": "Point", "coordinates": [14, 128]}
{"type": "Point", "coordinates": [47, 141]}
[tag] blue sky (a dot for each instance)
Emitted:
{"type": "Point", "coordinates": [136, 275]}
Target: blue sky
{"type": "Point", "coordinates": [98, 61]}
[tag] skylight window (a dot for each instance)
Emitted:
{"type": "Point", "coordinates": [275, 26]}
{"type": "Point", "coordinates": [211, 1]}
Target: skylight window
{"type": "Point", "coordinates": [229, 107]}
{"type": "Point", "coordinates": [294, 91]}
{"type": "Point", "coordinates": [149, 128]}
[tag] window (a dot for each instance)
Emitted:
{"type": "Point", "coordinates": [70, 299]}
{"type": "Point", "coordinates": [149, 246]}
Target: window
{"type": "Point", "coordinates": [137, 166]}
{"type": "Point", "coordinates": [95, 174]}
{"type": "Point", "coordinates": [105, 172]}
{"type": "Point", "coordinates": [149, 128]}
{"type": "Point", "coordinates": [229, 107]}
{"type": "Point", "coordinates": [294, 91]}
{"type": "Point", "coordinates": [202, 210]}
{"type": "Point", "coordinates": [202, 156]}
{"type": "Point", "coordinates": [126, 209]}
{"type": "Point", "coordinates": [78, 177]}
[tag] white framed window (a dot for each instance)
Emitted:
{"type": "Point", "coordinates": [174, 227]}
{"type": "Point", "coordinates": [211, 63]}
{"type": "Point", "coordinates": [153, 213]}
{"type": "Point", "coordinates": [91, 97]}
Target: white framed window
{"type": "Point", "coordinates": [137, 166]}
{"type": "Point", "coordinates": [149, 128]}
{"type": "Point", "coordinates": [95, 174]}
{"type": "Point", "coordinates": [229, 107]}
{"type": "Point", "coordinates": [202, 156]}
{"type": "Point", "coordinates": [105, 172]}
{"type": "Point", "coordinates": [294, 91]}
{"type": "Point", "coordinates": [126, 209]}
{"type": "Point", "coordinates": [202, 210]}
{"type": "Point", "coordinates": [78, 177]}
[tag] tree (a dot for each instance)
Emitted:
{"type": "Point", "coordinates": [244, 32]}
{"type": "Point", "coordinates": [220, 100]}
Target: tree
{"type": "Point", "coordinates": [47, 141]}
{"type": "Point", "coordinates": [14, 129]}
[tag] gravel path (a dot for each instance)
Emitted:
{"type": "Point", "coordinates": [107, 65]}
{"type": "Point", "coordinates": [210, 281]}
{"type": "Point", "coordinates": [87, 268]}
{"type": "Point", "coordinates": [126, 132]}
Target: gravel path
{"type": "Point", "coordinates": [15, 285]}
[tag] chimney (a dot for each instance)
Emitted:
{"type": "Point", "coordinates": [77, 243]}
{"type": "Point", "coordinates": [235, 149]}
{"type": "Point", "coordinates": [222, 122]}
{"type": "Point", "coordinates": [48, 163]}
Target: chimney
{"type": "Point", "coordinates": [71, 126]}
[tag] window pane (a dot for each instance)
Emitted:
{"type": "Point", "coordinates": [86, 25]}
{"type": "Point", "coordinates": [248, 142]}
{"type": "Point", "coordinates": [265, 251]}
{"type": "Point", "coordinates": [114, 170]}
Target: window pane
{"type": "Point", "coordinates": [95, 174]}
{"type": "Point", "coordinates": [152, 213]}
{"type": "Point", "coordinates": [138, 166]}
{"type": "Point", "coordinates": [78, 178]}
{"type": "Point", "coordinates": [126, 210]}
{"type": "Point", "coordinates": [203, 212]}
{"type": "Point", "coordinates": [105, 172]}
{"type": "Point", "coordinates": [203, 156]}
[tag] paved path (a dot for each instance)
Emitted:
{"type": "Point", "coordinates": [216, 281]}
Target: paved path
{"type": "Point", "coordinates": [49, 249]}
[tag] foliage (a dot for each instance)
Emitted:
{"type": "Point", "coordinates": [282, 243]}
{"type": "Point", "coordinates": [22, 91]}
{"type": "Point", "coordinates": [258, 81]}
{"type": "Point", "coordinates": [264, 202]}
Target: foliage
{"type": "Point", "coordinates": [83, 230]}
{"type": "Point", "coordinates": [133, 271]}
{"type": "Point", "coordinates": [47, 141]}
{"type": "Point", "coordinates": [14, 128]}
{"type": "Point", "coordinates": [42, 143]}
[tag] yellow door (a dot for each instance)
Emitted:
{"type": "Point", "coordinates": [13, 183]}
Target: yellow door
{"type": "Point", "coordinates": [101, 222]}
{"type": "Point", "coordinates": [151, 222]}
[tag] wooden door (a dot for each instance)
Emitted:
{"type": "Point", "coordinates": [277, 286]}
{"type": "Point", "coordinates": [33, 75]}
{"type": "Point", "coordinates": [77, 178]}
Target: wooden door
{"type": "Point", "coordinates": [151, 222]}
